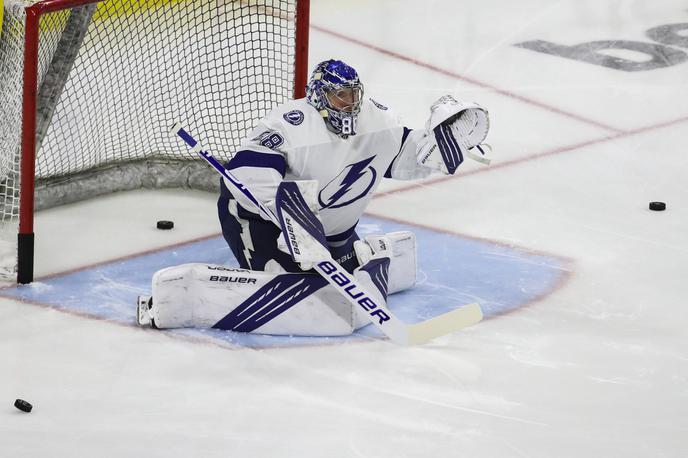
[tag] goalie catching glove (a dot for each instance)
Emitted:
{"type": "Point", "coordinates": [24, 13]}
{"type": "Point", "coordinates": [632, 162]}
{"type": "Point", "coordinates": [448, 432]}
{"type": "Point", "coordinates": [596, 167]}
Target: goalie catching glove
{"type": "Point", "coordinates": [453, 130]}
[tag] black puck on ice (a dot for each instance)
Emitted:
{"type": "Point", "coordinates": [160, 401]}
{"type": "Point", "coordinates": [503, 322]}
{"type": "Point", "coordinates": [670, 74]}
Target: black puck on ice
{"type": "Point", "coordinates": [657, 206]}
{"type": "Point", "coordinates": [23, 405]}
{"type": "Point", "coordinates": [165, 225]}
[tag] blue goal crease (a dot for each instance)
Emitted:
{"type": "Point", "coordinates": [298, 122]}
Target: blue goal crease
{"type": "Point", "coordinates": [452, 271]}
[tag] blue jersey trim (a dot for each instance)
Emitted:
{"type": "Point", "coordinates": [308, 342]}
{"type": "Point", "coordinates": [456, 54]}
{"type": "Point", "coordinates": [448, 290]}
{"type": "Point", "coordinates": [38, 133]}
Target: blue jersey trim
{"type": "Point", "coordinates": [248, 158]}
{"type": "Point", "coordinates": [342, 236]}
{"type": "Point", "coordinates": [404, 136]}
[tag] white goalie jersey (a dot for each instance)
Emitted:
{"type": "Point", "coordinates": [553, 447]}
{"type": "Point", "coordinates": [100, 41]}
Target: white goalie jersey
{"type": "Point", "coordinates": [293, 143]}
{"type": "Point", "coordinates": [336, 177]}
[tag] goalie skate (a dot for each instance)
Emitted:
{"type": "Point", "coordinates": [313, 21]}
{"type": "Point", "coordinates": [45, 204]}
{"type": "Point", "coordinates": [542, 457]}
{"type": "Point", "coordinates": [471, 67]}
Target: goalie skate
{"type": "Point", "coordinates": [143, 315]}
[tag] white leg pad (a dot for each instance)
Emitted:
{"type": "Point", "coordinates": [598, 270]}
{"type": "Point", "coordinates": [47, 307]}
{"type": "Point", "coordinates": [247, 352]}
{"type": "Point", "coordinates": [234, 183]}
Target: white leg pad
{"type": "Point", "coordinates": [400, 247]}
{"type": "Point", "coordinates": [205, 296]}
{"type": "Point", "coordinates": [364, 275]}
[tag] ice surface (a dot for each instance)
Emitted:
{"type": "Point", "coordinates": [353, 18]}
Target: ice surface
{"type": "Point", "coordinates": [597, 366]}
{"type": "Point", "coordinates": [500, 278]}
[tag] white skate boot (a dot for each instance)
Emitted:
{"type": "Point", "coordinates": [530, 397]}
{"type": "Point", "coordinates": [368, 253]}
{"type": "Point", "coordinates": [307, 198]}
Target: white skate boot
{"type": "Point", "coordinates": [143, 313]}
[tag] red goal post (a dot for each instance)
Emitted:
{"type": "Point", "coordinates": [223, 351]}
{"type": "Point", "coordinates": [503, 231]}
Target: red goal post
{"type": "Point", "coordinates": [102, 80]}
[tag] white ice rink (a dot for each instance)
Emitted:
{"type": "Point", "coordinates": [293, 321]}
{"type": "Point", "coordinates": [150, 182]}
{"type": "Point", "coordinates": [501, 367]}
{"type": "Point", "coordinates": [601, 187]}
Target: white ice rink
{"type": "Point", "coordinates": [597, 367]}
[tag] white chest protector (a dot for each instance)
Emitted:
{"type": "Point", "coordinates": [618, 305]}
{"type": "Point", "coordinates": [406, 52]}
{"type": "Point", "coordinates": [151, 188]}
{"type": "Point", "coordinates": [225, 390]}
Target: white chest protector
{"type": "Point", "coordinates": [347, 171]}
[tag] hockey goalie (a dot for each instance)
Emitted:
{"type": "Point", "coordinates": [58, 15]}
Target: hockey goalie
{"type": "Point", "coordinates": [331, 150]}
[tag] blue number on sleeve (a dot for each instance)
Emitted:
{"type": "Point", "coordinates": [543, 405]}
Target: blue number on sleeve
{"type": "Point", "coordinates": [271, 140]}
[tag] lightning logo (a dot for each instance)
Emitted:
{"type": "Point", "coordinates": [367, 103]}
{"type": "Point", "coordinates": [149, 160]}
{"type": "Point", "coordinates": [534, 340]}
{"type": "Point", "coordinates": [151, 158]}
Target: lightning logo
{"type": "Point", "coordinates": [352, 183]}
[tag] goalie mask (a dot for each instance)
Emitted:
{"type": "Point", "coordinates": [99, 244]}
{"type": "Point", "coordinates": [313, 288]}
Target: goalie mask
{"type": "Point", "coordinates": [336, 92]}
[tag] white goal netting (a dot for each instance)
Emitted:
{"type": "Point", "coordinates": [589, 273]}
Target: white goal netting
{"type": "Point", "coordinates": [114, 76]}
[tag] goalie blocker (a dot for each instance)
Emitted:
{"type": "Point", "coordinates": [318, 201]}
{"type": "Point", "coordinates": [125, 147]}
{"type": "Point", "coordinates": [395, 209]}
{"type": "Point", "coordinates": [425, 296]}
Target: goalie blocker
{"type": "Point", "coordinates": [303, 304]}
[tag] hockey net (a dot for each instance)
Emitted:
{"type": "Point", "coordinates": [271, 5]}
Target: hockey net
{"type": "Point", "coordinates": [112, 77]}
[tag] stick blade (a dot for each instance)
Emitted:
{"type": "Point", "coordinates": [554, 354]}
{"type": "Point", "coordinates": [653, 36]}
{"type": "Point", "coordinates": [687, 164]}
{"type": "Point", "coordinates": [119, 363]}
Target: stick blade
{"type": "Point", "coordinates": [446, 323]}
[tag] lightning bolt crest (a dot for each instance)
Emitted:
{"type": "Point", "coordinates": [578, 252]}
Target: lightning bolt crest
{"type": "Point", "coordinates": [355, 172]}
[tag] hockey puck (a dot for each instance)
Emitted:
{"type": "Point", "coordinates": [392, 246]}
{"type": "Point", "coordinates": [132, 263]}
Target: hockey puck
{"type": "Point", "coordinates": [657, 206]}
{"type": "Point", "coordinates": [165, 225]}
{"type": "Point", "coordinates": [23, 405]}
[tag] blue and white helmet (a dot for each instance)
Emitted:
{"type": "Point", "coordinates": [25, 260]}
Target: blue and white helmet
{"type": "Point", "coordinates": [336, 92]}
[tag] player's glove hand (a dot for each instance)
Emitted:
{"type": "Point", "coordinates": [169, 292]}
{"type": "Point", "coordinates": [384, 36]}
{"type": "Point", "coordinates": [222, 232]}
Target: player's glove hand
{"type": "Point", "coordinates": [453, 130]}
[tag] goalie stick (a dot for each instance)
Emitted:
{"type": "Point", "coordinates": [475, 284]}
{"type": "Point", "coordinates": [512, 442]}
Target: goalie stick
{"type": "Point", "coordinates": [345, 283]}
